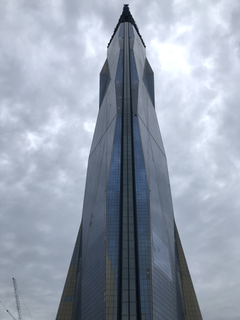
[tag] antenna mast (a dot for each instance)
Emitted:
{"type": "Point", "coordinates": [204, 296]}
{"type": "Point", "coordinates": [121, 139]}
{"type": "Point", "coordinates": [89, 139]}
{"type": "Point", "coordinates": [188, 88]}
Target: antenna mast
{"type": "Point", "coordinates": [17, 299]}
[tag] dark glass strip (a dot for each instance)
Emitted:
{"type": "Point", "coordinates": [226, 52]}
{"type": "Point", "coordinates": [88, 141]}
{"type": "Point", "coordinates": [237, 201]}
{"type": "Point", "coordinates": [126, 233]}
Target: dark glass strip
{"type": "Point", "coordinates": [128, 277]}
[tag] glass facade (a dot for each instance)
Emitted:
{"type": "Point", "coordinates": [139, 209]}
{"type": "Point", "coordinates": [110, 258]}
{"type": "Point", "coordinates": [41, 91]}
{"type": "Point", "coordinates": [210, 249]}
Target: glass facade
{"type": "Point", "coordinates": [128, 262]}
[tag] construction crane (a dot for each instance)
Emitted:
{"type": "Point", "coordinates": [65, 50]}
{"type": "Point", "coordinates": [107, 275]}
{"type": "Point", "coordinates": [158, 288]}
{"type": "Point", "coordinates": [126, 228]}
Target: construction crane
{"type": "Point", "coordinates": [7, 310]}
{"type": "Point", "coordinates": [16, 291]}
{"type": "Point", "coordinates": [17, 299]}
{"type": "Point", "coordinates": [11, 315]}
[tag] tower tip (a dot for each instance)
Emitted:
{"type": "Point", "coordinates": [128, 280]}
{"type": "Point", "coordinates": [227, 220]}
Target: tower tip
{"type": "Point", "coordinates": [126, 17]}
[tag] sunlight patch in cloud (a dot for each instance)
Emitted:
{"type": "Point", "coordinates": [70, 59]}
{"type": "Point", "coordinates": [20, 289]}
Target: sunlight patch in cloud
{"type": "Point", "coordinates": [89, 126]}
{"type": "Point", "coordinates": [34, 141]}
{"type": "Point", "coordinates": [89, 29]}
{"type": "Point", "coordinates": [56, 123]}
{"type": "Point", "coordinates": [173, 57]}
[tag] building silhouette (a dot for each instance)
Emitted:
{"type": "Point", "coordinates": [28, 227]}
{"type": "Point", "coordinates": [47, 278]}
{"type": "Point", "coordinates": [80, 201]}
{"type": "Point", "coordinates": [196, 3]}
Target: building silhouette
{"type": "Point", "coordinates": [128, 262]}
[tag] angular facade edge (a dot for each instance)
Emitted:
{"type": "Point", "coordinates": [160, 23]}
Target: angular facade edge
{"type": "Point", "coordinates": [190, 299]}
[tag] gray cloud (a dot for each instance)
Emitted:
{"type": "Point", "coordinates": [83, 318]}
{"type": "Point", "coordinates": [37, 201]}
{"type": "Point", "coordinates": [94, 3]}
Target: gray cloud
{"type": "Point", "coordinates": [50, 59]}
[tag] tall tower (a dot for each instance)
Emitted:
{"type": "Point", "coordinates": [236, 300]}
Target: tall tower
{"type": "Point", "coordinates": [128, 262]}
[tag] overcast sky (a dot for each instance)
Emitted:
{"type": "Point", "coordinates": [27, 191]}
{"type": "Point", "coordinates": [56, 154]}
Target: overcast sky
{"type": "Point", "coordinates": [51, 53]}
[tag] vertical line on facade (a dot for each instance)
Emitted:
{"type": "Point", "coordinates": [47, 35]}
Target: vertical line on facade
{"type": "Point", "coordinates": [128, 272]}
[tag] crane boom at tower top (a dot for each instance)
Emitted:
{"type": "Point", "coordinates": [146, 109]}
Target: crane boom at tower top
{"type": "Point", "coordinates": [17, 298]}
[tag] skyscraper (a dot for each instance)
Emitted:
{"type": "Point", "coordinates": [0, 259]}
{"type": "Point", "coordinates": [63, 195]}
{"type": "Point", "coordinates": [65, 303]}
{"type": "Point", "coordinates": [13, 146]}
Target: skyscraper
{"type": "Point", "coordinates": [128, 262]}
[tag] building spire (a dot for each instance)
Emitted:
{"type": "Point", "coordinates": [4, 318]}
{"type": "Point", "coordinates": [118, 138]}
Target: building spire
{"type": "Point", "coordinates": [126, 17]}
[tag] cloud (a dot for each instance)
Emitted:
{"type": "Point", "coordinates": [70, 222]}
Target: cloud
{"type": "Point", "coordinates": [50, 61]}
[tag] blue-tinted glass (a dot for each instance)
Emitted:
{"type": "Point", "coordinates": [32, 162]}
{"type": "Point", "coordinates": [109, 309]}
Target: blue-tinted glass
{"type": "Point", "coordinates": [97, 266]}
{"type": "Point", "coordinates": [148, 79]}
{"type": "Point", "coordinates": [68, 298]}
{"type": "Point", "coordinates": [104, 82]}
